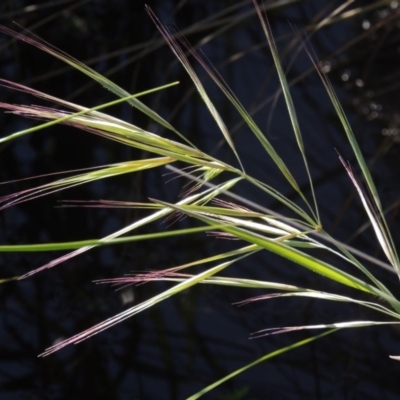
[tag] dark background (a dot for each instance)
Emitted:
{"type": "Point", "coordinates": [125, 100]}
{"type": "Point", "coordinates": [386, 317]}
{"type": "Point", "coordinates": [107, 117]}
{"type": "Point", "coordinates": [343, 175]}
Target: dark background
{"type": "Point", "coordinates": [195, 338]}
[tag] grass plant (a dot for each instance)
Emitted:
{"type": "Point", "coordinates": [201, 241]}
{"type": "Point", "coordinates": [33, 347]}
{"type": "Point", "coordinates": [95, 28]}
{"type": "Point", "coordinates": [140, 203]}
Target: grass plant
{"type": "Point", "coordinates": [295, 235]}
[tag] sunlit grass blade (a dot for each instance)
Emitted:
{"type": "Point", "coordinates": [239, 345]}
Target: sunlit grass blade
{"type": "Point", "coordinates": [258, 361]}
{"type": "Point", "coordinates": [173, 274]}
{"type": "Point", "coordinates": [384, 291]}
{"type": "Point", "coordinates": [375, 217]}
{"type": "Point", "coordinates": [205, 196]}
{"type": "Point", "coordinates": [315, 294]}
{"type": "Point", "coordinates": [336, 325]}
{"type": "Point", "coordinates": [294, 291]}
{"type": "Point", "coordinates": [48, 48]}
{"type": "Point", "coordinates": [40, 247]}
{"type": "Point", "coordinates": [275, 246]}
{"type": "Point", "coordinates": [101, 173]}
{"type": "Point", "coordinates": [347, 256]}
{"type": "Point", "coordinates": [389, 245]}
{"type": "Point", "coordinates": [140, 307]}
{"type": "Point", "coordinates": [170, 39]}
{"type": "Point", "coordinates": [100, 123]}
{"type": "Point", "coordinates": [67, 116]}
{"type": "Point", "coordinates": [289, 105]}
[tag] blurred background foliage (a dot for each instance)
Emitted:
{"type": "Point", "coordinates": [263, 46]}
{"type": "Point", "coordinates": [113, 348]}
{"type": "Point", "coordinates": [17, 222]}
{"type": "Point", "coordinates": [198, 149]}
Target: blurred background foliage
{"type": "Point", "coordinates": [174, 349]}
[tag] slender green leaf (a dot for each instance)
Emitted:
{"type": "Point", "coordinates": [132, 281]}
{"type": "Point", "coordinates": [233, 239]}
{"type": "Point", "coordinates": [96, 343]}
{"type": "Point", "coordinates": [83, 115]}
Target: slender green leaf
{"type": "Point", "coordinates": [290, 106]}
{"type": "Point", "coordinates": [258, 361]}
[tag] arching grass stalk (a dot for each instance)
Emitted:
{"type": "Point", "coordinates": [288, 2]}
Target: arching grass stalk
{"type": "Point", "coordinates": [260, 230]}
